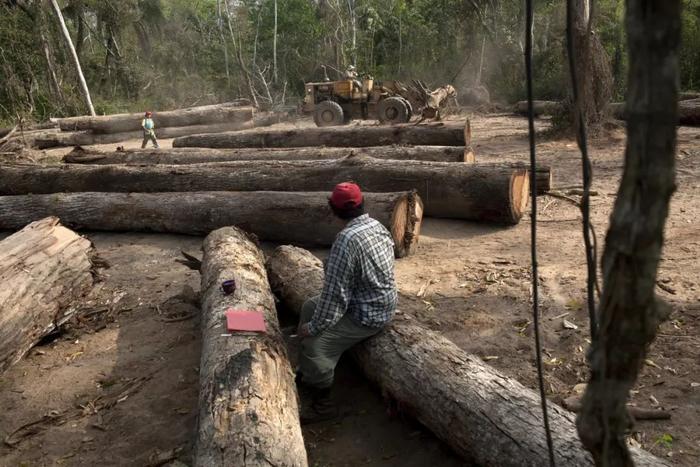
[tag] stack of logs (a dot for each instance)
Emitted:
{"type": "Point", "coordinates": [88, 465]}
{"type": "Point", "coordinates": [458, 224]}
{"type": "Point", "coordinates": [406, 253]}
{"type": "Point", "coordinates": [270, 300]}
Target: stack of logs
{"type": "Point", "coordinates": [169, 124]}
{"type": "Point", "coordinates": [273, 183]}
{"type": "Point", "coordinates": [248, 410]}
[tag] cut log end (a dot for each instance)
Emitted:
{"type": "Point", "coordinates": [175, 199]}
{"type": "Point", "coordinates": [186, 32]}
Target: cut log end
{"type": "Point", "coordinates": [406, 222]}
{"type": "Point", "coordinates": [469, 156]}
{"type": "Point", "coordinates": [520, 190]}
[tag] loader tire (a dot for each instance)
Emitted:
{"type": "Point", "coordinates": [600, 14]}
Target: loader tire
{"type": "Point", "coordinates": [409, 107]}
{"type": "Point", "coordinates": [392, 110]}
{"type": "Point", "coordinates": [328, 113]}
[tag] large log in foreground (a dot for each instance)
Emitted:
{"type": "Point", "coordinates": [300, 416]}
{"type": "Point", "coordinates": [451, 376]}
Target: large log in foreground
{"type": "Point", "coordinates": [176, 156]}
{"type": "Point", "coordinates": [44, 268]}
{"type": "Point", "coordinates": [86, 138]}
{"type": "Point", "coordinates": [345, 136]}
{"type": "Point", "coordinates": [248, 413]}
{"type": "Point", "coordinates": [122, 123]}
{"type": "Point", "coordinates": [283, 217]}
{"type": "Point", "coordinates": [460, 191]}
{"type": "Point", "coordinates": [485, 416]}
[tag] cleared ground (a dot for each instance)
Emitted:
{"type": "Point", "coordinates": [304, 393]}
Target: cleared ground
{"type": "Point", "coordinates": [470, 282]}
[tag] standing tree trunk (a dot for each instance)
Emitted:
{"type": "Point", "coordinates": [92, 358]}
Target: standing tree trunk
{"type": "Point", "coordinates": [74, 56]}
{"type": "Point", "coordinates": [274, 48]}
{"type": "Point", "coordinates": [629, 311]}
{"type": "Point", "coordinates": [248, 413]}
{"type": "Point", "coordinates": [595, 82]}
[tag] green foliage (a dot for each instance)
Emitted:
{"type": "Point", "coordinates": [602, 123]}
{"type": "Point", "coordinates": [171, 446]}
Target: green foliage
{"type": "Point", "coordinates": [160, 54]}
{"type": "Point", "coordinates": [665, 440]}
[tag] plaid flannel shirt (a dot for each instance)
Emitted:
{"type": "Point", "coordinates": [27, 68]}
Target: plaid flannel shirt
{"type": "Point", "coordinates": [359, 277]}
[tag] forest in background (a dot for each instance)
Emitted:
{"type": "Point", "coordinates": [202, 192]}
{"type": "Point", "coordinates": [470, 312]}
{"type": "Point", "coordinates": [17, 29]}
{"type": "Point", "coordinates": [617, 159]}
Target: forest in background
{"type": "Point", "coordinates": [161, 54]}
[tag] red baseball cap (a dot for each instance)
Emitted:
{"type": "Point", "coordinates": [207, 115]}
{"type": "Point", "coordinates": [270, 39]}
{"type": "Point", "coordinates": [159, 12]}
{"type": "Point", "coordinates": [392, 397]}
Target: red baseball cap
{"type": "Point", "coordinates": [346, 195]}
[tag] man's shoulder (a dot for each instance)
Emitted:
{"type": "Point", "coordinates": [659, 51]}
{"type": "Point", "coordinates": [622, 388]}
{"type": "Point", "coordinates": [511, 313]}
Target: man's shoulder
{"type": "Point", "coordinates": [361, 229]}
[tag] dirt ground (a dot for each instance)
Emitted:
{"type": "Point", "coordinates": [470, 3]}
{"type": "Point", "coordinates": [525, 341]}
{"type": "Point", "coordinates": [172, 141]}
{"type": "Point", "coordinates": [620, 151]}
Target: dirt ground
{"type": "Point", "coordinates": [139, 346]}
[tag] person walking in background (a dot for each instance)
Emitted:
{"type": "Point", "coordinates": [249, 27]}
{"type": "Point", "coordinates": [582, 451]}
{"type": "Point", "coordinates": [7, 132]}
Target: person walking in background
{"type": "Point", "coordinates": [149, 132]}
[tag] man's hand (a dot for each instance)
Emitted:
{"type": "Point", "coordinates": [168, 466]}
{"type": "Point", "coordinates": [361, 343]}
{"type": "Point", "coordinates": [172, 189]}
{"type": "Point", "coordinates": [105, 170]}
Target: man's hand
{"type": "Point", "coordinates": [303, 331]}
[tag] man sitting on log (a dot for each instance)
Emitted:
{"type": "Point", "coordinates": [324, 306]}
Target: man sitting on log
{"type": "Point", "coordinates": [358, 299]}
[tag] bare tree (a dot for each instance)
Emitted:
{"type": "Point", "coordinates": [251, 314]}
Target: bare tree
{"type": "Point", "coordinates": [629, 311]}
{"type": "Point", "coordinates": [74, 56]}
{"type": "Point", "coordinates": [274, 48]}
{"type": "Point", "coordinates": [220, 23]}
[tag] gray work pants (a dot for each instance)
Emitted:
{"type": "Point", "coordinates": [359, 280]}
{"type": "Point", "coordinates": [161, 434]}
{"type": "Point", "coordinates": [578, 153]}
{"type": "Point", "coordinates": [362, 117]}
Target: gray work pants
{"type": "Point", "coordinates": [319, 354]}
{"type": "Point", "coordinates": [149, 136]}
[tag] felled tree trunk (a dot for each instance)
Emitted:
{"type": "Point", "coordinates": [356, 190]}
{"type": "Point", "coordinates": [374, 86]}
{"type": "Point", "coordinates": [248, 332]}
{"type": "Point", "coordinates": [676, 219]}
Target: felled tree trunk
{"type": "Point", "coordinates": [298, 218]}
{"type": "Point", "coordinates": [177, 156]}
{"type": "Point", "coordinates": [345, 136]}
{"type": "Point", "coordinates": [248, 413]}
{"type": "Point", "coordinates": [540, 108]}
{"type": "Point", "coordinates": [44, 268]}
{"type": "Point", "coordinates": [485, 416]}
{"type": "Point", "coordinates": [542, 172]}
{"type": "Point", "coordinates": [193, 116]}
{"type": "Point", "coordinates": [86, 138]}
{"type": "Point", "coordinates": [688, 112]}
{"type": "Point", "coordinates": [460, 191]}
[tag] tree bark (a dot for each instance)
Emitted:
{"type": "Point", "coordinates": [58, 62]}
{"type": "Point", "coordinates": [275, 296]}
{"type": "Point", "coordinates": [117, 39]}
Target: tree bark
{"type": "Point", "coordinates": [348, 136]}
{"type": "Point", "coordinates": [87, 138]}
{"type": "Point", "coordinates": [485, 416]}
{"type": "Point", "coordinates": [542, 172]}
{"type": "Point", "coordinates": [44, 269]}
{"type": "Point", "coordinates": [248, 413]}
{"type": "Point", "coordinates": [459, 191]}
{"type": "Point", "coordinates": [630, 312]}
{"type": "Point", "coordinates": [593, 68]}
{"type": "Point", "coordinates": [177, 156]}
{"type": "Point", "coordinates": [298, 218]}
{"type": "Point", "coordinates": [74, 56]}
{"type": "Point", "coordinates": [121, 123]}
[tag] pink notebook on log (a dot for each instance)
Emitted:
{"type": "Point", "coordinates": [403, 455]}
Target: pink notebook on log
{"type": "Point", "coordinates": [245, 320]}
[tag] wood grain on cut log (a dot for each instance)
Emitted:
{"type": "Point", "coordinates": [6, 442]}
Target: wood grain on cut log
{"type": "Point", "coordinates": [44, 269]}
{"type": "Point", "coordinates": [283, 217]}
{"type": "Point", "coordinates": [121, 123]}
{"type": "Point", "coordinates": [86, 138]}
{"type": "Point", "coordinates": [485, 416]}
{"type": "Point", "coordinates": [176, 156]}
{"type": "Point", "coordinates": [345, 136]}
{"type": "Point", "coordinates": [460, 191]}
{"type": "Point", "coordinates": [248, 412]}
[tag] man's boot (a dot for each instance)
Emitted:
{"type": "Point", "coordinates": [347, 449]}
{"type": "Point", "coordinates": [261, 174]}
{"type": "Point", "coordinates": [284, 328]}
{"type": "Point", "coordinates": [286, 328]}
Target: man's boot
{"type": "Point", "coordinates": [319, 408]}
